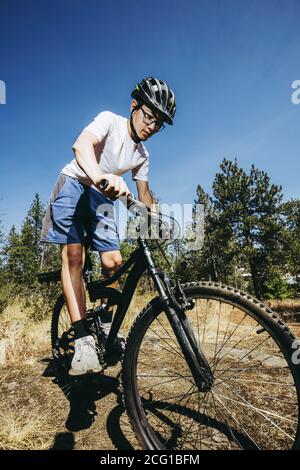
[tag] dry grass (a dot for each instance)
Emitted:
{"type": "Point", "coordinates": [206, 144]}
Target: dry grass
{"type": "Point", "coordinates": [25, 429]}
{"type": "Point", "coordinates": [25, 417]}
{"type": "Point", "coordinates": [40, 412]}
{"type": "Point", "coordinates": [287, 305]}
{"type": "Point", "coordinates": [136, 306]}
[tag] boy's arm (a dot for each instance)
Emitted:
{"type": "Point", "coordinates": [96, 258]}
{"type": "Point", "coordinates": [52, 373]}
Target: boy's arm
{"type": "Point", "coordinates": [84, 152]}
{"type": "Point", "coordinates": [144, 194]}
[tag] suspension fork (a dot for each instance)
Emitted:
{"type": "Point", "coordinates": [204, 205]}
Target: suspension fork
{"type": "Point", "coordinates": [192, 352]}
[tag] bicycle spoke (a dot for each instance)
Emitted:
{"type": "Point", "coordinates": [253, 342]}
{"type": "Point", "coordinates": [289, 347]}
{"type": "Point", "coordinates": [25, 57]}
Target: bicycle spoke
{"type": "Point", "coordinates": [282, 384]}
{"type": "Point", "coordinates": [179, 414]}
{"type": "Point", "coordinates": [181, 396]}
{"type": "Point", "coordinates": [228, 323]}
{"type": "Point", "coordinates": [233, 331]}
{"type": "Point", "coordinates": [234, 418]}
{"type": "Point", "coordinates": [175, 350]}
{"type": "Point", "coordinates": [245, 416]}
{"type": "Point", "coordinates": [204, 329]}
{"type": "Point", "coordinates": [261, 412]}
{"type": "Point", "coordinates": [188, 430]}
{"type": "Point", "coordinates": [154, 358]}
{"type": "Point", "coordinates": [216, 345]}
{"type": "Point", "coordinates": [199, 427]}
{"type": "Point", "coordinates": [219, 358]}
{"type": "Point", "coordinates": [243, 357]}
{"type": "Point", "coordinates": [227, 424]}
{"type": "Point", "coordinates": [204, 402]}
{"type": "Point", "coordinates": [160, 383]}
{"type": "Point", "coordinates": [198, 323]}
{"type": "Point", "coordinates": [160, 323]}
{"type": "Point", "coordinates": [268, 398]}
{"type": "Point", "coordinates": [167, 408]}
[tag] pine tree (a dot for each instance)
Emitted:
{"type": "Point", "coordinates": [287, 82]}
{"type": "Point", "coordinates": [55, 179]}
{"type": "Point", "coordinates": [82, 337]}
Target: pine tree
{"type": "Point", "coordinates": [21, 263]}
{"type": "Point", "coordinates": [4, 286]}
{"type": "Point", "coordinates": [11, 256]}
{"type": "Point", "coordinates": [35, 215]}
{"type": "Point", "coordinates": [243, 227]}
{"type": "Point", "coordinates": [23, 251]}
{"type": "Point", "coordinates": [291, 215]}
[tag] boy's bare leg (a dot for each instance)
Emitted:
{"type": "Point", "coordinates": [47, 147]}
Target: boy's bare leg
{"type": "Point", "coordinates": [72, 280]}
{"type": "Point", "coordinates": [85, 359]}
{"type": "Point", "coordinates": [111, 262]}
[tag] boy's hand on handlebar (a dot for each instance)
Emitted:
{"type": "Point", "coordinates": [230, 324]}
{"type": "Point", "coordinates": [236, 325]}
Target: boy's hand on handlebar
{"type": "Point", "coordinates": [113, 186]}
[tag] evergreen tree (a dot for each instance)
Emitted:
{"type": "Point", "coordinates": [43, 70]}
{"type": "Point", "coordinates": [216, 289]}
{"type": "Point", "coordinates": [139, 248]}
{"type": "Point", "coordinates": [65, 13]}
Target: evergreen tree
{"type": "Point", "coordinates": [243, 228]}
{"type": "Point", "coordinates": [4, 291]}
{"type": "Point", "coordinates": [249, 205]}
{"type": "Point", "coordinates": [35, 215]}
{"type": "Point", "coordinates": [291, 215]}
{"type": "Point", "coordinates": [28, 248]}
{"type": "Point", "coordinates": [11, 255]}
{"type": "Point", "coordinates": [21, 263]}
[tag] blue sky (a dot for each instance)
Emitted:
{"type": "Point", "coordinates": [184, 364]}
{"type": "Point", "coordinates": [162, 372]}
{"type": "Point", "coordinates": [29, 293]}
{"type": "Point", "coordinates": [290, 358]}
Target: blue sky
{"type": "Point", "coordinates": [231, 64]}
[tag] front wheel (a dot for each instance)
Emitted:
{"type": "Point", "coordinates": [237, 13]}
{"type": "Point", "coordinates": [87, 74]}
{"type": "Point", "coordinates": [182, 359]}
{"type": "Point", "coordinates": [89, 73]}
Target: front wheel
{"type": "Point", "coordinates": [254, 400]}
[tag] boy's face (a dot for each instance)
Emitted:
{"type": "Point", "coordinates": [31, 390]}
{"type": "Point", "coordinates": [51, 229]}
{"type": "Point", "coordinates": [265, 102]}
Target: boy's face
{"type": "Point", "coordinates": [146, 123]}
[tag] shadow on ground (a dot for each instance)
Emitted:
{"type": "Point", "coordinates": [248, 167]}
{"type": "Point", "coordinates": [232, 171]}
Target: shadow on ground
{"type": "Point", "coordinates": [82, 394]}
{"type": "Point", "coordinates": [63, 441]}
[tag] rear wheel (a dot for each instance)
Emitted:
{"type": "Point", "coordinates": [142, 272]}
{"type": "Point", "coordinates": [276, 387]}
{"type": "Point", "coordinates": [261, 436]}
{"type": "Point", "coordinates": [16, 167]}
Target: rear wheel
{"type": "Point", "coordinates": [62, 335]}
{"type": "Point", "coordinates": [254, 399]}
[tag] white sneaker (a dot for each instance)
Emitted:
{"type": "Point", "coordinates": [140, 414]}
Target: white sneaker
{"type": "Point", "coordinates": [85, 360]}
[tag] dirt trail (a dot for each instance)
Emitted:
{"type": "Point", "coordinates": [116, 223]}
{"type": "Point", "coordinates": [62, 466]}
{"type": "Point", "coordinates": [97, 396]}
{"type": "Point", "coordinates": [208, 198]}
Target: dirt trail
{"type": "Point", "coordinates": [41, 410]}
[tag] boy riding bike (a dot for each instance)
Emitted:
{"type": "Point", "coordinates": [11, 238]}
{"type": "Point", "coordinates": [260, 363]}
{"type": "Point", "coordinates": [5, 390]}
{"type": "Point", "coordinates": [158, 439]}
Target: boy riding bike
{"type": "Point", "coordinates": [107, 148]}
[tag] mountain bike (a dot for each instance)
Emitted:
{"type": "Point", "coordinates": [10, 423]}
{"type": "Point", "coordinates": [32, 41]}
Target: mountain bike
{"type": "Point", "coordinates": [205, 366]}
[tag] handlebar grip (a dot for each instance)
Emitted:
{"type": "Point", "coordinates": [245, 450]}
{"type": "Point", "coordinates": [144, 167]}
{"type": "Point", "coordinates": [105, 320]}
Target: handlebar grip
{"type": "Point", "coordinates": [103, 184]}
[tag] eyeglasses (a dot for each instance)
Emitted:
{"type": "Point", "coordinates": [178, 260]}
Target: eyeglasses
{"type": "Point", "coordinates": [148, 119]}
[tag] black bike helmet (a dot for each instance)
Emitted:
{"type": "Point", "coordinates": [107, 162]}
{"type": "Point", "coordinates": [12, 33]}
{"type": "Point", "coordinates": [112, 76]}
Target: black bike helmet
{"type": "Point", "coordinates": [158, 96]}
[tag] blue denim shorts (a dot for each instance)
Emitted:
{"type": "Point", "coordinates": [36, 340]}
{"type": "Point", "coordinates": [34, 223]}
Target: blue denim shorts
{"type": "Point", "coordinates": [78, 213]}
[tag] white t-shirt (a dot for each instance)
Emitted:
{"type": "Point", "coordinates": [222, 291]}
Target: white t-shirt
{"type": "Point", "coordinates": [116, 152]}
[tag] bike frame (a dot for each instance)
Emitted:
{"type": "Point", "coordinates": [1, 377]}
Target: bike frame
{"type": "Point", "coordinates": [139, 261]}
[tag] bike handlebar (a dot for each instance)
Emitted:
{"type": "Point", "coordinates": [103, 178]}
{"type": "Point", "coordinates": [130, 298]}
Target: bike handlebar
{"type": "Point", "coordinates": [130, 200]}
{"type": "Point", "coordinates": [104, 183]}
{"type": "Point", "coordinates": [138, 208]}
